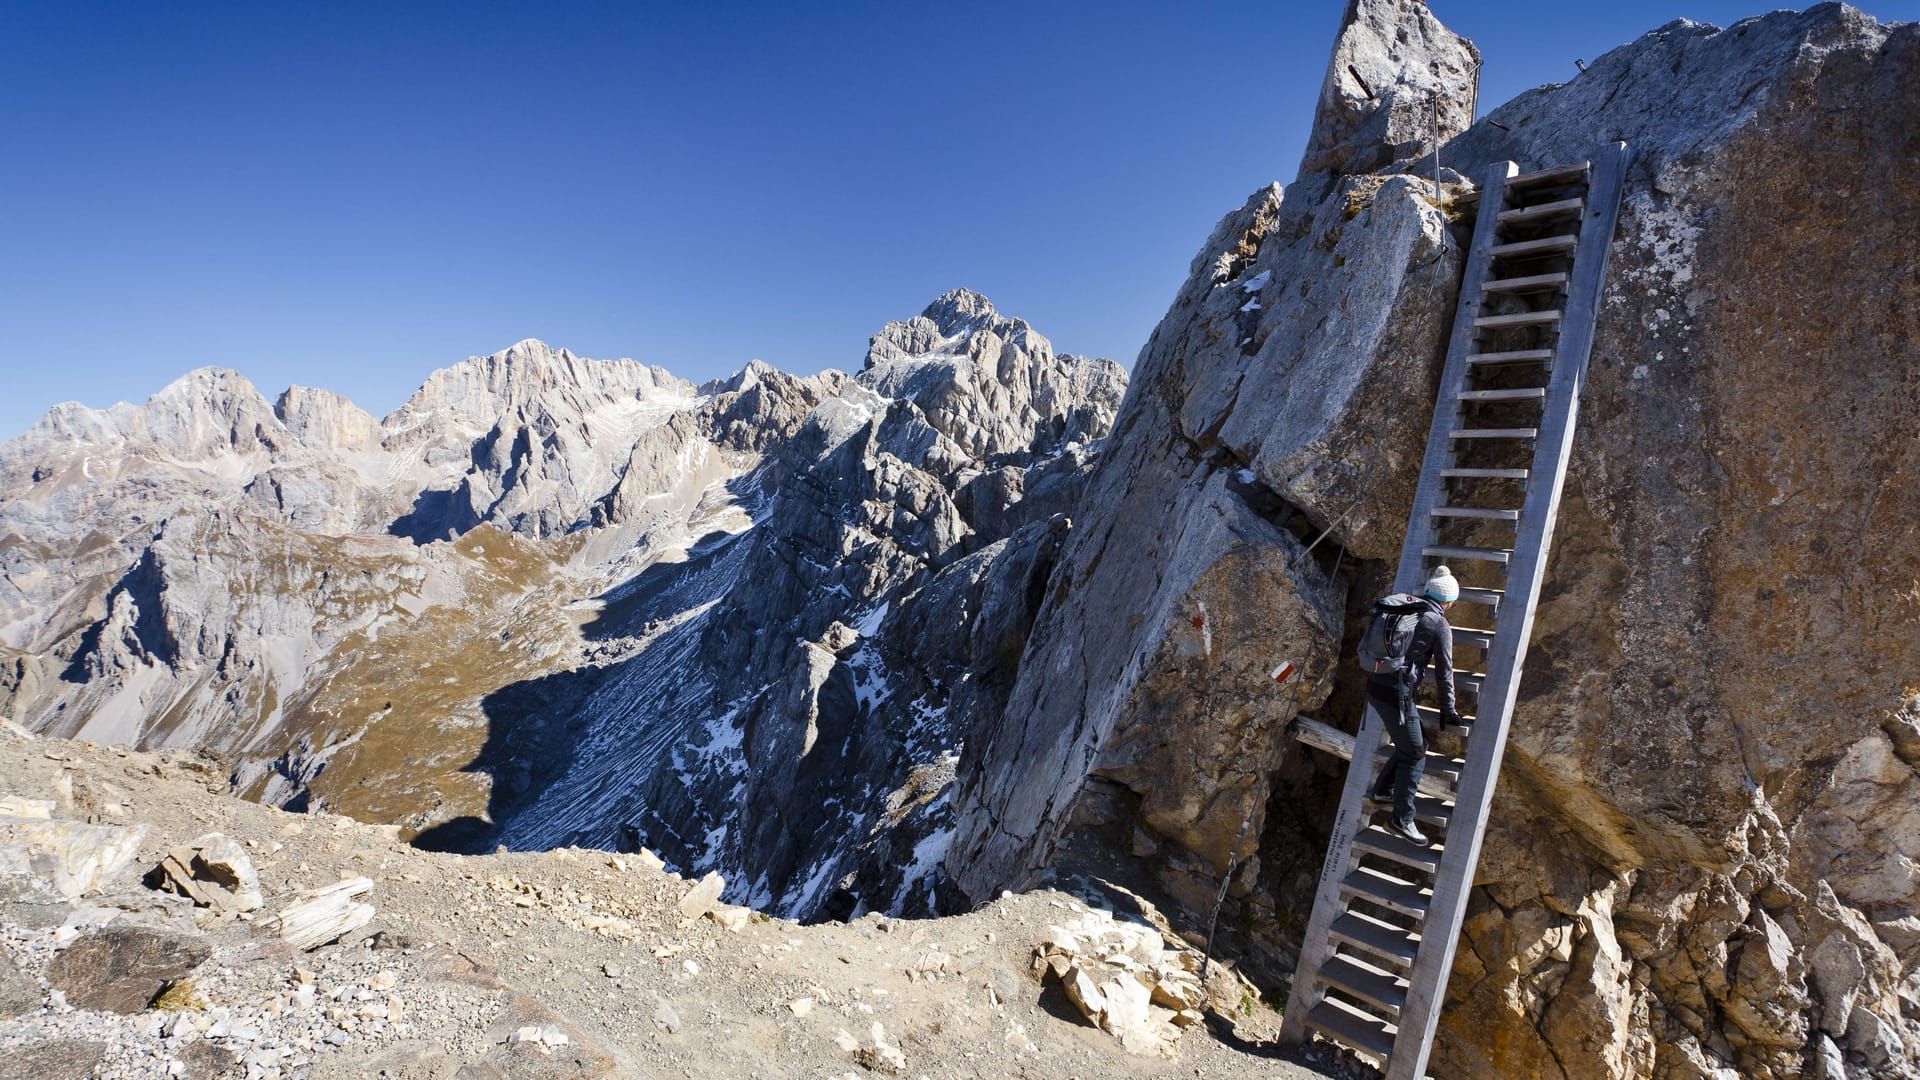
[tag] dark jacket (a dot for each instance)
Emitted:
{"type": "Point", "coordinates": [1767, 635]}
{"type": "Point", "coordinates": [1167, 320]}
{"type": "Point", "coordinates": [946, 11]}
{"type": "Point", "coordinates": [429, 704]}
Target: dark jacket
{"type": "Point", "coordinates": [1432, 643]}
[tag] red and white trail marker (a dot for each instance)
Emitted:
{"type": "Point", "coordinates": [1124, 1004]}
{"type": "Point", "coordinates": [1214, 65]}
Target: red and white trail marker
{"type": "Point", "coordinates": [1285, 671]}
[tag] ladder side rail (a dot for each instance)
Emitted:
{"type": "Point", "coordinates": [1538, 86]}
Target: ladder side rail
{"type": "Point", "coordinates": [1427, 980]}
{"type": "Point", "coordinates": [1317, 945]}
{"type": "Point", "coordinates": [1412, 573]}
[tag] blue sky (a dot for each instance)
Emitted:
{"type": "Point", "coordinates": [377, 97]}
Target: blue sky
{"type": "Point", "coordinates": [352, 195]}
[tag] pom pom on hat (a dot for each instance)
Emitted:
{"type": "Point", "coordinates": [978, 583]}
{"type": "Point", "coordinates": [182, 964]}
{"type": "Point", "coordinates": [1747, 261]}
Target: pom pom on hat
{"type": "Point", "coordinates": [1442, 587]}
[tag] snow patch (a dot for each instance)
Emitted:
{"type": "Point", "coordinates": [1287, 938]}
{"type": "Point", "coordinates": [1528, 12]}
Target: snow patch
{"type": "Point", "coordinates": [928, 854]}
{"type": "Point", "coordinates": [869, 624]}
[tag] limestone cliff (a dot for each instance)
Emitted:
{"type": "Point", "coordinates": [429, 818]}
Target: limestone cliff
{"type": "Point", "coordinates": [1702, 861]}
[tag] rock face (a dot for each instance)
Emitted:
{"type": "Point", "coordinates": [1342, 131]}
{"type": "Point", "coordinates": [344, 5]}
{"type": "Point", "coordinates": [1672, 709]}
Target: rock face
{"type": "Point", "coordinates": [1701, 859]}
{"type": "Point", "coordinates": [213, 871]}
{"type": "Point", "coordinates": [1269, 411]}
{"type": "Point", "coordinates": [68, 858]}
{"type": "Point", "coordinates": [555, 600]}
{"type": "Point", "coordinates": [1125, 980]}
{"type": "Point", "coordinates": [1396, 73]}
{"type": "Point", "coordinates": [122, 968]}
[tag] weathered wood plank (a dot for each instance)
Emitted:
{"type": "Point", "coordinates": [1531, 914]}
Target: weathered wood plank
{"type": "Point", "coordinates": [1389, 942]}
{"type": "Point", "coordinates": [1522, 393]}
{"type": "Point", "coordinates": [1378, 841]}
{"type": "Point", "coordinates": [1350, 1027]}
{"type": "Point", "coordinates": [1511, 356]}
{"type": "Point", "coordinates": [324, 914]}
{"type": "Point", "coordinates": [1495, 433]}
{"type": "Point", "coordinates": [1373, 986]}
{"type": "Point", "coordinates": [1484, 597]}
{"type": "Point", "coordinates": [1397, 894]}
{"type": "Point", "coordinates": [1559, 208]}
{"type": "Point", "coordinates": [1559, 174]}
{"type": "Point", "coordinates": [1477, 554]}
{"type": "Point", "coordinates": [1340, 744]}
{"type": "Point", "coordinates": [1530, 283]}
{"type": "Point", "coordinates": [1546, 245]}
{"type": "Point", "coordinates": [1517, 318]}
{"type": "Point", "coordinates": [1491, 513]}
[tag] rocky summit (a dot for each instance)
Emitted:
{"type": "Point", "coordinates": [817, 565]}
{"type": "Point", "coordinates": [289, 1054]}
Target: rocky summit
{"type": "Point", "coordinates": [983, 618]}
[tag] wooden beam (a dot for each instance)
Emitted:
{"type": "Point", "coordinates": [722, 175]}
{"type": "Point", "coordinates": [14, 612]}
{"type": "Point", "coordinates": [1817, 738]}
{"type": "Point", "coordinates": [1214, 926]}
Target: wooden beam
{"type": "Point", "coordinates": [1340, 744]}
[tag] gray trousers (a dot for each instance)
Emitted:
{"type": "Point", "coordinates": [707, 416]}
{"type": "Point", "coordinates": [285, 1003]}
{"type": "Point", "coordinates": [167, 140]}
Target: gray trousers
{"type": "Point", "coordinates": [1393, 701]}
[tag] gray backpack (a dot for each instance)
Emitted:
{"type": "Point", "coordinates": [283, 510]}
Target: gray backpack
{"type": "Point", "coordinates": [1389, 633]}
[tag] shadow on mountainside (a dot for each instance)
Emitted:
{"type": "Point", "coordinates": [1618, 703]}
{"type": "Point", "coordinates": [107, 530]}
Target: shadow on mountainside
{"type": "Point", "coordinates": [628, 607]}
{"type": "Point", "coordinates": [532, 731]}
{"type": "Point", "coordinates": [534, 727]}
{"type": "Point", "coordinates": [442, 514]}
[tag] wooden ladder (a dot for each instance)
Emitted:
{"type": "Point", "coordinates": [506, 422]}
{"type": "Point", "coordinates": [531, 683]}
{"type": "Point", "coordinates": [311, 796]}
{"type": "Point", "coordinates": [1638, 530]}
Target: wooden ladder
{"type": "Point", "coordinates": [1374, 963]}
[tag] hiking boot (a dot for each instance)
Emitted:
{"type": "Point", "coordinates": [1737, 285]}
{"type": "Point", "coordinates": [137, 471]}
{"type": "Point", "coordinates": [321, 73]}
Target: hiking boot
{"type": "Point", "coordinates": [1409, 832]}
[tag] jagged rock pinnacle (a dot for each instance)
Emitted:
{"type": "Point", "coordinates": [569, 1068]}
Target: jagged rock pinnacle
{"type": "Point", "coordinates": [1392, 64]}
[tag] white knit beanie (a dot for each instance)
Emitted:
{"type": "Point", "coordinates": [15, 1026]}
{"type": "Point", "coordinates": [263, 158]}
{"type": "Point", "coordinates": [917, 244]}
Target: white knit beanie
{"type": "Point", "coordinates": [1442, 587]}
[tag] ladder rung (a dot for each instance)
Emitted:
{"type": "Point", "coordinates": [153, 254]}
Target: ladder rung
{"type": "Point", "coordinates": [1428, 810]}
{"type": "Point", "coordinates": [1383, 939]}
{"type": "Point", "coordinates": [1546, 245]}
{"type": "Point", "coordinates": [1479, 639]}
{"type": "Point", "coordinates": [1559, 174]}
{"type": "Point", "coordinates": [1518, 318]}
{"type": "Point", "coordinates": [1488, 512]}
{"type": "Point", "coordinates": [1512, 356]}
{"type": "Point", "coordinates": [1375, 887]}
{"type": "Point", "coordinates": [1530, 283]}
{"type": "Point", "coordinates": [1340, 744]}
{"type": "Point", "coordinates": [1439, 765]}
{"type": "Point", "coordinates": [1494, 433]}
{"type": "Point", "coordinates": [1370, 985]}
{"type": "Point", "coordinates": [1378, 841]}
{"type": "Point", "coordinates": [1489, 597]}
{"type": "Point", "coordinates": [1543, 210]}
{"type": "Point", "coordinates": [1485, 474]}
{"type": "Point", "coordinates": [1523, 393]}
{"type": "Point", "coordinates": [1447, 551]}
{"type": "Point", "coordinates": [1433, 712]}
{"type": "Point", "coordinates": [1470, 680]}
{"type": "Point", "coordinates": [1352, 1028]}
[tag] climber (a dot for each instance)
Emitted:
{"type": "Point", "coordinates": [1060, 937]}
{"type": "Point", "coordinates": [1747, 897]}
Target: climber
{"type": "Point", "coordinates": [1392, 695]}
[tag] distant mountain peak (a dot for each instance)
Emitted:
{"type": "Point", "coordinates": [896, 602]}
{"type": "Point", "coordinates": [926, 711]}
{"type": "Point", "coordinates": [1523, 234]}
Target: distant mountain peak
{"type": "Point", "coordinates": [958, 305]}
